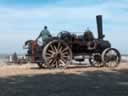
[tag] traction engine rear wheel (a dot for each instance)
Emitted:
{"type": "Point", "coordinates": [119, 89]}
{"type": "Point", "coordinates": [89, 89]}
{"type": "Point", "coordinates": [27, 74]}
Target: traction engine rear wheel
{"type": "Point", "coordinates": [57, 54]}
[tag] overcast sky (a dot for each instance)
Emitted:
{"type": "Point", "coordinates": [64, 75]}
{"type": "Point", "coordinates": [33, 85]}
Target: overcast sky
{"type": "Point", "coordinates": [21, 20]}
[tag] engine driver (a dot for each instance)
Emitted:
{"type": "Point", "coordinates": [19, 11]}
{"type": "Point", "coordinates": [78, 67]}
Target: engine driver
{"type": "Point", "coordinates": [44, 34]}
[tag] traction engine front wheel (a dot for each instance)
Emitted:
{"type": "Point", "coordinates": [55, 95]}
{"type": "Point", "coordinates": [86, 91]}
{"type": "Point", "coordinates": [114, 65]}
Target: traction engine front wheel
{"type": "Point", "coordinates": [111, 57]}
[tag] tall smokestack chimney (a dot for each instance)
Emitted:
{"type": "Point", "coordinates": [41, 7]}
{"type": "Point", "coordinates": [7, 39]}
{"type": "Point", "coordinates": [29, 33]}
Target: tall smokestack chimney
{"type": "Point", "coordinates": [99, 26]}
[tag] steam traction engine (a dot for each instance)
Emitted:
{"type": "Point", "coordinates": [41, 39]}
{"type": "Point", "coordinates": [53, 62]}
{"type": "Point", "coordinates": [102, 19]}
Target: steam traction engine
{"type": "Point", "coordinates": [63, 48]}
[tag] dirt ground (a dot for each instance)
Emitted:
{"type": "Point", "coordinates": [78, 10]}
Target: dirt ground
{"type": "Point", "coordinates": [76, 80]}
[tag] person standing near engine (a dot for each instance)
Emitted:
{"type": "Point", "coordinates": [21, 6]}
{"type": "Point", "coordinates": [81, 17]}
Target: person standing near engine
{"type": "Point", "coordinates": [44, 34]}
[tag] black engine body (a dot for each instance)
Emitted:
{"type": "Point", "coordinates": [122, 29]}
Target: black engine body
{"type": "Point", "coordinates": [84, 44]}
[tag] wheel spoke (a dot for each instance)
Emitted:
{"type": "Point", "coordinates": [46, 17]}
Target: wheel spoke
{"type": "Point", "coordinates": [56, 64]}
{"type": "Point", "coordinates": [64, 54]}
{"type": "Point", "coordinates": [52, 47]}
{"type": "Point", "coordinates": [63, 59]}
{"type": "Point", "coordinates": [66, 57]}
{"type": "Point", "coordinates": [58, 45]}
{"type": "Point", "coordinates": [55, 49]}
{"type": "Point", "coordinates": [51, 51]}
{"type": "Point", "coordinates": [62, 62]}
{"type": "Point", "coordinates": [48, 54]}
{"type": "Point", "coordinates": [51, 57]}
{"type": "Point", "coordinates": [50, 61]}
{"type": "Point", "coordinates": [60, 49]}
{"type": "Point", "coordinates": [65, 49]}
